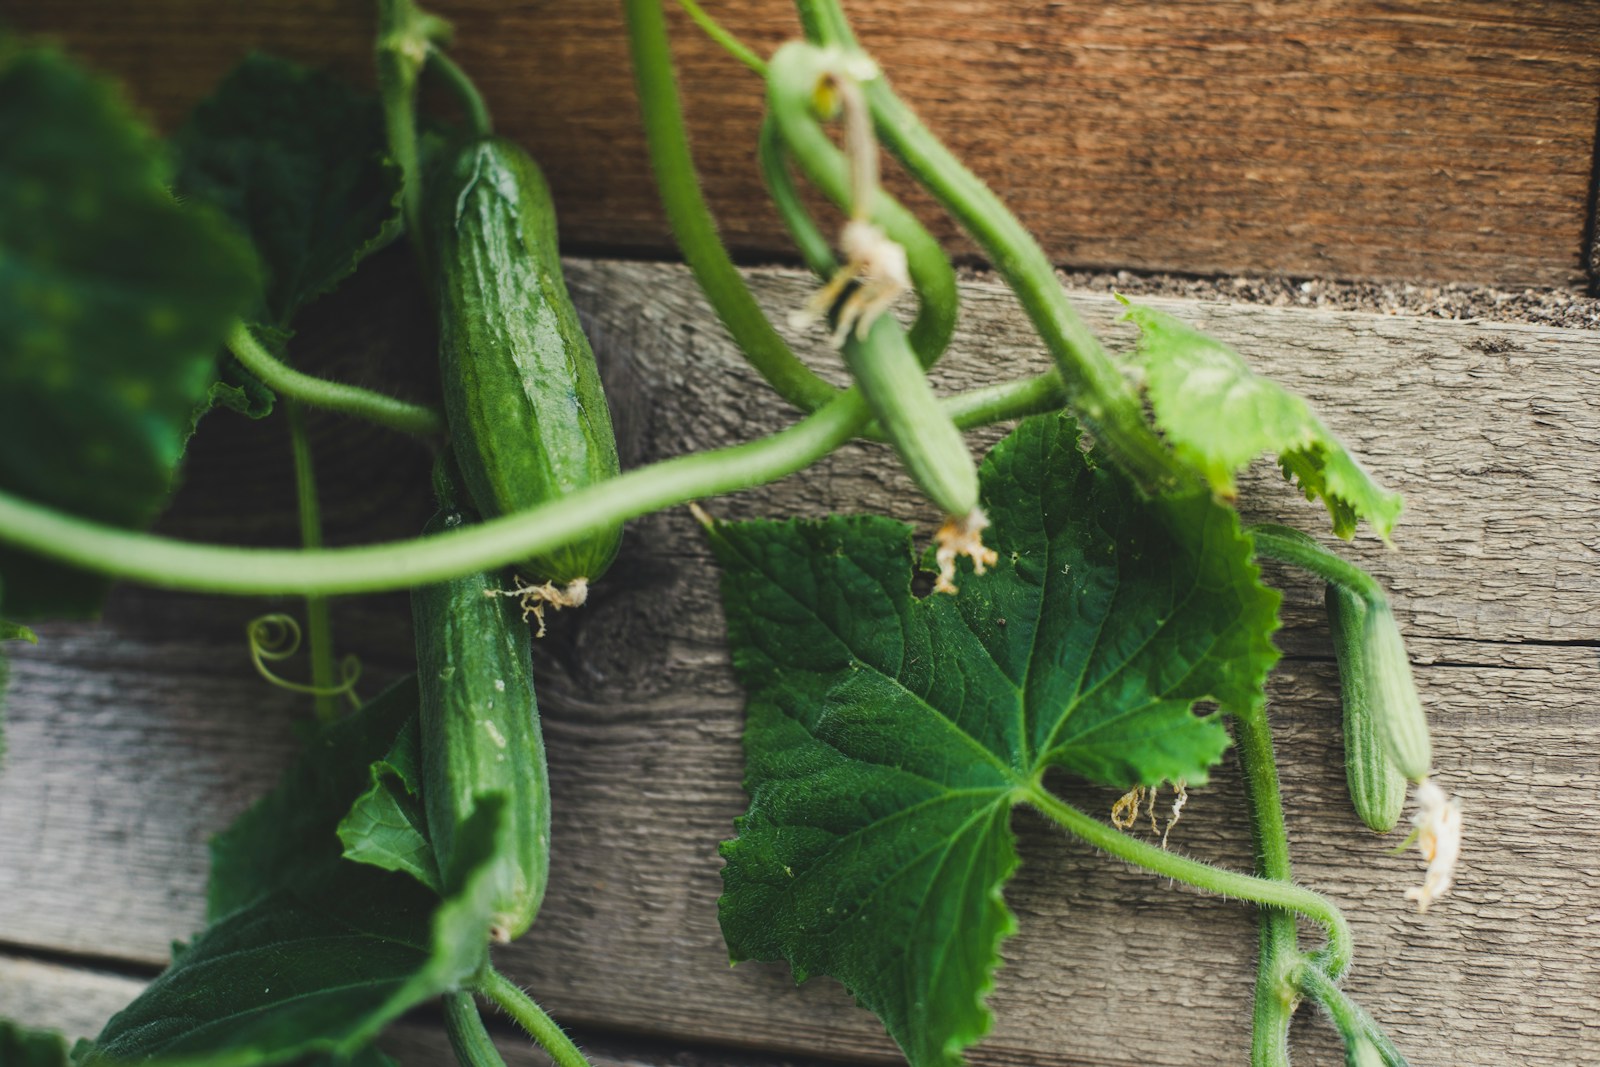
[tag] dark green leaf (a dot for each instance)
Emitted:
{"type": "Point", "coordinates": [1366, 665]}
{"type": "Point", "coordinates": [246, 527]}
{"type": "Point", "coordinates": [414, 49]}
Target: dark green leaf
{"type": "Point", "coordinates": [321, 965]}
{"type": "Point", "coordinates": [297, 159]}
{"type": "Point", "coordinates": [889, 736]}
{"type": "Point", "coordinates": [20, 1047]}
{"type": "Point", "coordinates": [295, 827]}
{"type": "Point", "coordinates": [113, 302]}
{"type": "Point", "coordinates": [387, 827]}
{"type": "Point", "coordinates": [1219, 415]}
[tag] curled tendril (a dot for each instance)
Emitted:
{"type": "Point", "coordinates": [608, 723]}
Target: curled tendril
{"type": "Point", "coordinates": [276, 637]}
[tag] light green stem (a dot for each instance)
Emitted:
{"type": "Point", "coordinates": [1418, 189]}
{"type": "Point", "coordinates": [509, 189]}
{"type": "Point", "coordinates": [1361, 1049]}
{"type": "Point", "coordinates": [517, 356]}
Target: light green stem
{"type": "Point", "coordinates": [1301, 550]}
{"type": "Point", "coordinates": [1262, 891]}
{"type": "Point", "coordinates": [466, 93]}
{"type": "Point", "coordinates": [1096, 389]}
{"type": "Point", "coordinates": [691, 221]}
{"type": "Point", "coordinates": [532, 1018]}
{"type": "Point", "coordinates": [469, 1039]}
{"type": "Point", "coordinates": [334, 396]}
{"type": "Point", "coordinates": [1348, 1016]}
{"type": "Point", "coordinates": [730, 44]}
{"type": "Point", "coordinates": [177, 564]}
{"type": "Point", "coordinates": [319, 625]}
{"type": "Point", "coordinates": [1280, 950]}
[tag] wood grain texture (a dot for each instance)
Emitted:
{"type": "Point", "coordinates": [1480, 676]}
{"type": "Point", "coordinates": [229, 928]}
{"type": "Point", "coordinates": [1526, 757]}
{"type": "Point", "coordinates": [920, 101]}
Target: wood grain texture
{"type": "Point", "coordinates": [1442, 139]}
{"type": "Point", "coordinates": [134, 738]}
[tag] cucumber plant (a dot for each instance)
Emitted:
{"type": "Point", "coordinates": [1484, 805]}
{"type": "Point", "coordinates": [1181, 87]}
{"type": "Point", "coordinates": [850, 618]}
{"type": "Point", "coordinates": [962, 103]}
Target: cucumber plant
{"type": "Point", "coordinates": [1108, 589]}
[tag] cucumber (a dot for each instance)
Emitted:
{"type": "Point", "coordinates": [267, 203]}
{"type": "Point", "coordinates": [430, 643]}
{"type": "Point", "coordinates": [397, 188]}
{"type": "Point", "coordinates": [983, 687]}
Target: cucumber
{"type": "Point", "coordinates": [480, 735]}
{"type": "Point", "coordinates": [1377, 788]}
{"type": "Point", "coordinates": [1394, 694]}
{"type": "Point", "coordinates": [527, 417]}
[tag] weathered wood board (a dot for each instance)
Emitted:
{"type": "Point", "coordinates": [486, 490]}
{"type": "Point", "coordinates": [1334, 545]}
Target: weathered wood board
{"type": "Point", "coordinates": [131, 740]}
{"type": "Point", "coordinates": [1437, 139]}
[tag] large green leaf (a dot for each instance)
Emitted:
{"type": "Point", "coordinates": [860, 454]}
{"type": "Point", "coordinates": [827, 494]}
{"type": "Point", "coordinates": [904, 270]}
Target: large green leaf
{"type": "Point", "coordinates": [890, 736]}
{"type": "Point", "coordinates": [309, 953]}
{"type": "Point", "coordinates": [113, 302]}
{"type": "Point", "coordinates": [298, 160]}
{"type": "Point", "coordinates": [295, 827]}
{"type": "Point", "coordinates": [21, 1047]}
{"type": "Point", "coordinates": [1218, 415]}
{"type": "Point", "coordinates": [320, 966]}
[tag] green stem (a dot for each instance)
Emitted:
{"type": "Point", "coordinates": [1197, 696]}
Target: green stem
{"type": "Point", "coordinates": [334, 396]}
{"type": "Point", "coordinates": [792, 77]}
{"type": "Point", "coordinates": [691, 220]}
{"type": "Point", "coordinates": [730, 44]}
{"type": "Point", "coordinates": [532, 1018]}
{"type": "Point", "coordinates": [466, 93]}
{"type": "Point", "coordinates": [1262, 891]}
{"type": "Point", "coordinates": [1280, 950]}
{"type": "Point", "coordinates": [1351, 1019]}
{"type": "Point", "coordinates": [1096, 389]}
{"type": "Point", "coordinates": [319, 624]}
{"type": "Point", "coordinates": [1291, 546]}
{"type": "Point", "coordinates": [773, 156]}
{"type": "Point", "coordinates": [177, 564]}
{"type": "Point", "coordinates": [469, 1039]}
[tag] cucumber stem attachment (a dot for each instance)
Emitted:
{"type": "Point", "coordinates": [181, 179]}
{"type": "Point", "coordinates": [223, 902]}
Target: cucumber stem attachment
{"type": "Point", "coordinates": [532, 1018]}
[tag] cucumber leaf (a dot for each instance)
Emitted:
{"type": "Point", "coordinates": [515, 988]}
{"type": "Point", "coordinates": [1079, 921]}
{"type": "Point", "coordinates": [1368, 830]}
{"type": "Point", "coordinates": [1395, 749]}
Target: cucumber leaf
{"type": "Point", "coordinates": [296, 825]}
{"type": "Point", "coordinates": [22, 1047]}
{"type": "Point", "coordinates": [1219, 415]}
{"type": "Point", "coordinates": [308, 953]}
{"type": "Point", "coordinates": [114, 299]}
{"type": "Point", "coordinates": [888, 736]}
{"type": "Point", "coordinates": [320, 966]}
{"type": "Point", "coordinates": [387, 826]}
{"type": "Point", "coordinates": [298, 160]}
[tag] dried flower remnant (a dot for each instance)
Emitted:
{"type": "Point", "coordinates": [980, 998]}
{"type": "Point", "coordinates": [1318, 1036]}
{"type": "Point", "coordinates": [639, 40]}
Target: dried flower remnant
{"type": "Point", "coordinates": [1438, 838]}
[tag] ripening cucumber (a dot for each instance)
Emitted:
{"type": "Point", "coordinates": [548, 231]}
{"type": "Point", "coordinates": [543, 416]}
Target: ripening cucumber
{"type": "Point", "coordinates": [1377, 788]}
{"type": "Point", "coordinates": [480, 735]}
{"type": "Point", "coordinates": [1394, 694]}
{"type": "Point", "coordinates": [897, 390]}
{"type": "Point", "coordinates": [527, 418]}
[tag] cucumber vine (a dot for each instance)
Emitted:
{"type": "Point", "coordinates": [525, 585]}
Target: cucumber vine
{"type": "Point", "coordinates": [1093, 586]}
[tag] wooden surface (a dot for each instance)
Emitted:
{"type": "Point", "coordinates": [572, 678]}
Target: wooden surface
{"type": "Point", "coordinates": [131, 740]}
{"type": "Point", "coordinates": [1439, 139]}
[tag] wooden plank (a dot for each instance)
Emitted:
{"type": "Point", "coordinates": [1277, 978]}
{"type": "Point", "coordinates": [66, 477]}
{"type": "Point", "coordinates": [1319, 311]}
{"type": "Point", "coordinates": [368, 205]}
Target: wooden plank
{"type": "Point", "coordinates": [1347, 138]}
{"type": "Point", "coordinates": [75, 1001]}
{"type": "Point", "coordinates": [133, 739]}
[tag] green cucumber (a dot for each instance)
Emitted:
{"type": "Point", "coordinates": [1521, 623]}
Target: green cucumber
{"type": "Point", "coordinates": [1394, 694]}
{"type": "Point", "coordinates": [527, 417]}
{"type": "Point", "coordinates": [1377, 788]}
{"type": "Point", "coordinates": [480, 735]}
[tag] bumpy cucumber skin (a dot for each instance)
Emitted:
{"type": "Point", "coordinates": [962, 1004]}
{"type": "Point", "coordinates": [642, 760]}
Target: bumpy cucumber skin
{"type": "Point", "coordinates": [1377, 788]}
{"type": "Point", "coordinates": [897, 391]}
{"type": "Point", "coordinates": [527, 416]}
{"type": "Point", "coordinates": [1394, 694]}
{"type": "Point", "coordinates": [480, 736]}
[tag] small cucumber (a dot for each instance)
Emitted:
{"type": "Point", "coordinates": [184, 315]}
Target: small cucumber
{"type": "Point", "coordinates": [1377, 788]}
{"type": "Point", "coordinates": [527, 417]}
{"type": "Point", "coordinates": [1394, 694]}
{"type": "Point", "coordinates": [480, 735]}
{"type": "Point", "coordinates": [896, 389]}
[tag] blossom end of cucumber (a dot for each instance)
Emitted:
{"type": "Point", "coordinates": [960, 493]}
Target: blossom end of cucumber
{"type": "Point", "coordinates": [961, 536]}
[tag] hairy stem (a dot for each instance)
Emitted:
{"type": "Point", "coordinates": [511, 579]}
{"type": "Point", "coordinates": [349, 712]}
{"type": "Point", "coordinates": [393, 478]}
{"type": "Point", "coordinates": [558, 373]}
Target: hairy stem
{"type": "Point", "coordinates": [468, 1038]}
{"type": "Point", "coordinates": [1352, 1021]}
{"type": "Point", "coordinates": [1095, 387]}
{"type": "Point", "coordinates": [177, 564]}
{"type": "Point", "coordinates": [319, 625]}
{"type": "Point", "coordinates": [1288, 545]}
{"type": "Point", "coordinates": [1280, 950]}
{"type": "Point", "coordinates": [691, 221]}
{"type": "Point", "coordinates": [1262, 891]}
{"type": "Point", "coordinates": [532, 1018]}
{"type": "Point", "coordinates": [334, 396]}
